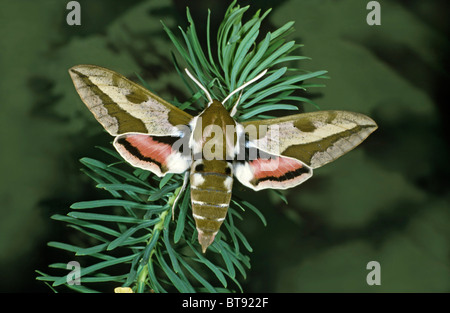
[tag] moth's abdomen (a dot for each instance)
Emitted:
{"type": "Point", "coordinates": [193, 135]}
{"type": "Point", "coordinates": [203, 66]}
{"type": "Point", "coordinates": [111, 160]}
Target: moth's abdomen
{"type": "Point", "coordinates": [211, 183]}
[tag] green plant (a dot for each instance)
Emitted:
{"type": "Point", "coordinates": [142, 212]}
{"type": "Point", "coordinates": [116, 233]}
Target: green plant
{"type": "Point", "coordinates": [138, 237]}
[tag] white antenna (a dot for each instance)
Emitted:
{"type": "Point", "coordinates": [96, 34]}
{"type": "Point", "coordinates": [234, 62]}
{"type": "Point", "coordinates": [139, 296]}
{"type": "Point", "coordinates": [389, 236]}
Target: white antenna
{"type": "Point", "coordinates": [245, 85]}
{"type": "Point", "coordinates": [200, 85]}
{"type": "Point", "coordinates": [234, 109]}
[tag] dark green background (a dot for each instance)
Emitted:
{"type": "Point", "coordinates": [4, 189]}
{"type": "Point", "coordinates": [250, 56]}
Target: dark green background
{"type": "Point", "coordinates": [386, 201]}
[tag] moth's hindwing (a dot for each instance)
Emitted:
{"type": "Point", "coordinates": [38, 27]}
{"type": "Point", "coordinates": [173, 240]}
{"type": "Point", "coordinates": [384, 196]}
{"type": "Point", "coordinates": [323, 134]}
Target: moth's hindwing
{"type": "Point", "coordinates": [313, 138]}
{"type": "Point", "coordinates": [271, 171]}
{"type": "Point", "coordinates": [157, 154]}
{"type": "Point", "coordinates": [123, 106]}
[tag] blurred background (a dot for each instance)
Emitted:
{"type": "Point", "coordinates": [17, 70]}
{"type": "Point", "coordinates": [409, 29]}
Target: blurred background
{"type": "Point", "coordinates": [387, 201]}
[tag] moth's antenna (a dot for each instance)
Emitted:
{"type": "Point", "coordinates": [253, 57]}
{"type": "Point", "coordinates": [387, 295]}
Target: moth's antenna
{"type": "Point", "coordinates": [200, 85]}
{"type": "Point", "coordinates": [245, 85]}
{"type": "Point", "coordinates": [234, 109]}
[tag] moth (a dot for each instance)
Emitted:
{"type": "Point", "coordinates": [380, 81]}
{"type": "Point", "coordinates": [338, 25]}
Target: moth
{"type": "Point", "coordinates": [212, 147]}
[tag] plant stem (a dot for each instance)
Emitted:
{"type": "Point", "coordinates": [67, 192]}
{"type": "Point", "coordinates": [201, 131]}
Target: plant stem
{"type": "Point", "coordinates": [143, 272]}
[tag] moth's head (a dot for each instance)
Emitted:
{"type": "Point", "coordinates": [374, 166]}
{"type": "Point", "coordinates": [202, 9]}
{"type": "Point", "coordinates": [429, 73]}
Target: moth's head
{"type": "Point", "coordinates": [216, 104]}
{"type": "Point", "coordinates": [216, 113]}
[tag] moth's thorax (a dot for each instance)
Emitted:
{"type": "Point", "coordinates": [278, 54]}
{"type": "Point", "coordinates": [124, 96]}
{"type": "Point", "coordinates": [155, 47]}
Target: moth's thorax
{"type": "Point", "coordinates": [211, 184]}
{"type": "Point", "coordinates": [214, 133]}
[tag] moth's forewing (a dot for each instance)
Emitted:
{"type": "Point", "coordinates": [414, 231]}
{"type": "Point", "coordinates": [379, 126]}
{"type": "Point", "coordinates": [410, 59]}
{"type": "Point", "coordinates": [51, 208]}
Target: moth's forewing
{"type": "Point", "coordinates": [314, 138]}
{"type": "Point", "coordinates": [122, 106]}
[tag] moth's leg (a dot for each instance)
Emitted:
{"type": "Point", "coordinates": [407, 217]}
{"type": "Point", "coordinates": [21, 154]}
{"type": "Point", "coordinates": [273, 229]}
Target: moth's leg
{"type": "Point", "coordinates": [183, 187]}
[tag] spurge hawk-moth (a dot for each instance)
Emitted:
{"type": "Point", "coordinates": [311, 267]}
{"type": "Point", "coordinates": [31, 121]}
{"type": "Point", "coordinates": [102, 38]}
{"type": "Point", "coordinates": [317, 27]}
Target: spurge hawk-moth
{"type": "Point", "coordinates": [154, 135]}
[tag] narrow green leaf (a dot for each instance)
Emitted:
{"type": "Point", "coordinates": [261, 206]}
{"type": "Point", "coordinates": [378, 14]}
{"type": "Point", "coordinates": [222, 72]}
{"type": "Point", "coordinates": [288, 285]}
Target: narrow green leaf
{"type": "Point", "coordinates": [164, 191]}
{"type": "Point", "coordinates": [275, 55]}
{"type": "Point", "coordinates": [177, 44]}
{"type": "Point", "coordinates": [165, 180]}
{"type": "Point", "coordinates": [197, 276]}
{"type": "Point", "coordinates": [103, 278]}
{"type": "Point", "coordinates": [181, 217]}
{"type": "Point", "coordinates": [111, 152]}
{"type": "Point", "coordinates": [90, 269]}
{"type": "Point", "coordinates": [151, 245]}
{"type": "Point", "coordinates": [254, 61]}
{"type": "Point", "coordinates": [265, 108]}
{"type": "Point", "coordinates": [208, 43]}
{"type": "Point", "coordinates": [181, 285]}
{"type": "Point", "coordinates": [237, 263]}
{"type": "Point", "coordinates": [82, 289]}
{"type": "Point", "coordinates": [122, 238]}
{"type": "Point", "coordinates": [241, 51]}
{"type": "Point", "coordinates": [63, 246]}
{"type": "Point", "coordinates": [170, 250]}
{"type": "Point", "coordinates": [298, 78]}
{"type": "Point", "coordinates": [86, 224]}
{"type": "Point", "coordinates": [112, 203]}
{"type": "Point", "coordinates": [281, 32]}
{"type": "Point", "coordinates": [104, 217]}
{"type": "Point", "coordinates": [125, 187]}
{"type": "Point", "coordinates": [255, 210]}
{"type": "Point", "coordinates": [192, 35]}
{"type": "Point", "coordinates": [280, 195]}
{"type": "Point", "coordinates": [243, 240]}
{"type": "Point", "coordinates": [131, 276]}
{"type": "Point", "coordinates": [92, 250]}
{"type": "Point", "coordinates": [100, 181]}
{"type": "Point", "coordinates": [211, 266]}
{"type": "Point", "coordinates": [226, 258]}
{"type": "Point", "coordinates": [263, 83]}
{"type": "Point", "coordinates": [234, 280]}
{"type": "Point", "coordinates": [92, 163]}
{"type": "Point", "coordinates": [269, 92]}
{"type": "Point", "coordinates": [154, 282]}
